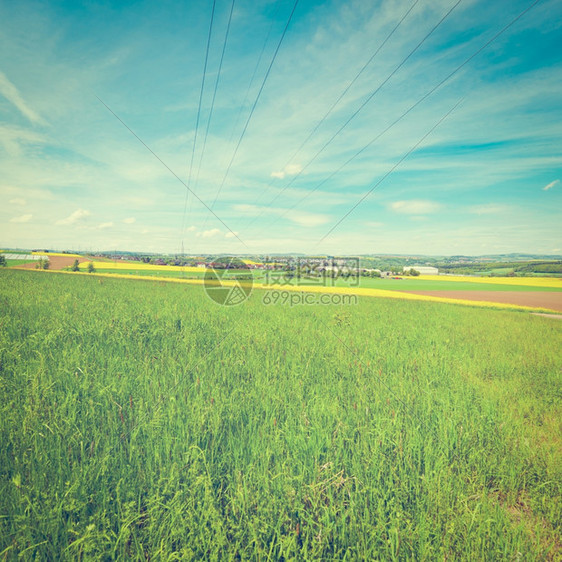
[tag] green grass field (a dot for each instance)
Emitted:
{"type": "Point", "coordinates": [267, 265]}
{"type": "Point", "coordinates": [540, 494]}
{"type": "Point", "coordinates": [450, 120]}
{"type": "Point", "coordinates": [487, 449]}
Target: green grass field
{"type": "Point", "coordinates": [140, 420]}
{"type": "Point", "coordinates": [12, 263]}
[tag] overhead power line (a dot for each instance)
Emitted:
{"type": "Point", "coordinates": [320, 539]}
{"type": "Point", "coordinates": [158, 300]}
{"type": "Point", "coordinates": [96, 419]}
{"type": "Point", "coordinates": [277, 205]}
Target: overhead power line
{"type": "Point", "coordinates": [390, 171]}
{"type": "Point", "coordinates": [365, 102]}
{"type": "Point", "coordinates": [254, 104]}
{"type": "Point", "coordinates": [243, 104]}
{"type": "Point", "coordinates": [198, 117]}
{"type": "Point", "coordinates": [413, 106]}
{"type": "Point", "coordinates": [215, 92]}
{"type": "Point", "coordinates": [171, 171]}
{"type": "Point", "coordinates": [341, 96]}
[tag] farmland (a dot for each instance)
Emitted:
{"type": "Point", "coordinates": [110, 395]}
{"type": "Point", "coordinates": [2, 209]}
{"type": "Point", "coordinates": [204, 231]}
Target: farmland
{"type": "Point", "coordinates": [541, 293]}
{"type": "Point", "coordinates": [141, 420]}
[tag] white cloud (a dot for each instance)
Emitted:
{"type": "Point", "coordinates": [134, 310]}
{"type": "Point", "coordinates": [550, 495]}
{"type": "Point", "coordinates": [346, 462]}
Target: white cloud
{"type": "Point", "coordinates": [289, 170]}
{"type": "Point", "coordinates": [78, 215]}
{"type": "Point", "coordinates": [293, 169]}
{"type": "Point", "coordinates": [11, 93]}
{"type": "Point", "coordinates": [104, 225]}
{"type": "Point", "coordinates": [251, 210]}
{"type": "Point", "coordinates": [415, 207]}
{"type": "Point", "coordinates": [231, 234]}
{"type": "Point", "coordinates": [208, 233]}
{"type": "Point", "coordinates": [129, 220]}
{"type": "Point", "coordinates": [303, 218]}
{"type": "Point", "coordinates": [489, 209]}
{"type": "Point", "coordinates": [22, 218]}
{"type": "Point", "coordinates": [18, 201]}
{"type": "Point", "coordinates": [15, 139]}
{"type": "Point", "coordinates": [307, 219]}
{"type": "Point", "coordinates": [550, 185]}
{"type": "Point", "coordinates": [191, 229]}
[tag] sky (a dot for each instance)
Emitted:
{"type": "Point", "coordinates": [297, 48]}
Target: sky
{"type": "Point", "coordinates": [120, 130]}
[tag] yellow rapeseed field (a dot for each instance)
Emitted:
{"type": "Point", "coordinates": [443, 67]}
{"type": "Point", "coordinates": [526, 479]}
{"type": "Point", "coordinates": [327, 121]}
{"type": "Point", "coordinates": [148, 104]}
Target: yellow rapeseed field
{"type": "Point", "coordinates": [367, 292]}
{"type": "Point", "coordinates": [55, 254]}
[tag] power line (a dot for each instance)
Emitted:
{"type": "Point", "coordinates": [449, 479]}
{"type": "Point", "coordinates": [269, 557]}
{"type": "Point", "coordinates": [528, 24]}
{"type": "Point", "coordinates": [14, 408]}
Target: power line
{"type": "Point", "coordinates": [254, 74]}
{"type": "Point", "coordinates": [246, 95]}
{"type": "Point", "coordinates": [255, 104]}
{"type": "Point", "coordinates": [367, 100]}
{"type": "Point", "coordinates": [198, 117]}
{"type": "Point", "coordinates": [215, 92]}
{"type": "Point", "coordinates": [413, 106]}
{"type": "Point", "coordinates": [390, 171]}
{"type": "Point", "coordinates": [171, 171]}
{"type": "Point", "coordinates": [346, 89]}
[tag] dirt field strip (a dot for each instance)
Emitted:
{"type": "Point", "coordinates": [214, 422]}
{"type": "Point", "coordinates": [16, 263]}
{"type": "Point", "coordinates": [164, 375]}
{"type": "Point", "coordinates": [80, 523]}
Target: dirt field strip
{"type": "Point", "coordinates": [57, 262]}
{"type": "Point", "coordinates": [551, 301]}
{"type": "Point", "coordinates": [555, 282]}
{"type": "Point", "coordinates": [555, 316]}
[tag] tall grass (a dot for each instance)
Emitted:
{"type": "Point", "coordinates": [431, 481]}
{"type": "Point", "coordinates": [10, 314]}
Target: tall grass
{"type": "Point", "coordinates": [140, 420]}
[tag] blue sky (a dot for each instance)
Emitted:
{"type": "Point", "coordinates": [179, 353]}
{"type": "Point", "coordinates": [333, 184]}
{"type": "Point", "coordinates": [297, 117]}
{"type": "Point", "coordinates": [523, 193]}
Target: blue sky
{"type": "Point", "coordinates": [486, 180]}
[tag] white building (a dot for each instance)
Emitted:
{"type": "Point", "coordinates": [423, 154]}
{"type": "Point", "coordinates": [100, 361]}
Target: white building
{"type": "Point", "coordinates": [423, 269]}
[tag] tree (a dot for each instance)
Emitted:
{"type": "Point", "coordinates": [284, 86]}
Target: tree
{"type": "Point", "coordinates": [75, 266]}
{"type": "Point", "coordinates": [3, 261]}
{"type": "Point", "coordinates": [91, 268]}
{"type": "Point", "coordinates": [46, 264]}
{"type": "Point", "coordinates": [414, 272]}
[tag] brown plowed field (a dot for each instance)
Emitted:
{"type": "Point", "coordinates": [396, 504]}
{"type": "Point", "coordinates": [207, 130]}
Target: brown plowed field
{"type": "Point", "coordinates": [537, 299]}
{"type": "Point", "coordinates": [56, 262]}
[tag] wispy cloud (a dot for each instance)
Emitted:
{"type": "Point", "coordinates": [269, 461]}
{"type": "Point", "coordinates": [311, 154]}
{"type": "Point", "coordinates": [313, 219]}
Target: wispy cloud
{"type": "Point", "coordinates": [550, 185]}
{"type": "Point", "coordinates": [14, 139]}
{"type": "Point", "coordinates": [416, 207]}
{"type": "Point", "coordinates": [75, 217]}
{"type": "Point", "coordinates": [105, 225]}
{"type": "Point", "coordinates": [208, 233]}
{"type": "Point", "coordinates": [302, 218]}
{"type": "Point", "coordinates": [11, 93]}
{"type": "Point", "coordinates": [22, 218]}
{"type": "Point", "coordinates": [489, 209]}
{"type": "Point", "coordinates": [18, 201]}
{"type": "Point", "coordinates": [129, 220]}
{"type": "Point", "coordinates": [289, 170]}
{"type": "Point", "coordinates": [231, 234]}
